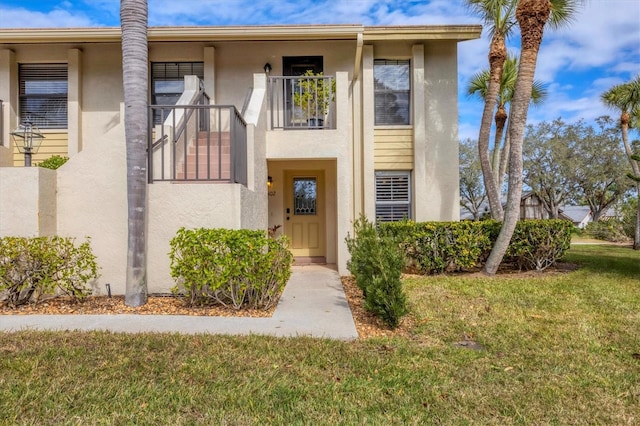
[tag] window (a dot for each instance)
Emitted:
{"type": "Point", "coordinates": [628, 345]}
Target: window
{"type": "Point", "coordinates": [393, 196]}
{"type": "Point", "coordinates": [43, 95]}
{"type": "Point", "coordinates": [305, 196]}
{"type": "Point", "coordinates": [392, 83]}
{"type": "Point", "coordinates": [167, 82]}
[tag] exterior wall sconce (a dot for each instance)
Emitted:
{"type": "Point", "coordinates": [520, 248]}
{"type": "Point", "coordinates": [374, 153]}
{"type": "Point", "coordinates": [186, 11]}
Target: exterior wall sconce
{"type": "Point", "coordinates": [267, 68]}
{"type": "Point", "coordinates": [28, 139]}
{"type": "Point", "coordinates": [270, 190]}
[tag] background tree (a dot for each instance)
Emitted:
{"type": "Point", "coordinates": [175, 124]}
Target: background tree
{"type": "Point", "coordinates": [472, 193]}
{"type": "Point", "coordinates": [532, 16]}
{"type": "Point", "coordinates": [601, 168]}
{"type": "Point", "coordinates": [498, 15]}
{"type": "Point", "coordinates": [549, 151]}
{"type": "Point", "coordinates": [574, 163]}
{"type": "Point", "coordinates": [479, 85]}
{"type": "Point", "coordinates": [133, 21]}
{"type": "Point", "coordinates": [626, 99]}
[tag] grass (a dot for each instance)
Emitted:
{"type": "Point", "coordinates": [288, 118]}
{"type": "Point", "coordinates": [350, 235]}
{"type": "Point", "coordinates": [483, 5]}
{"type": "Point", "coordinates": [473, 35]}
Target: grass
{"type": "Point", "coordinates": [558, 349]}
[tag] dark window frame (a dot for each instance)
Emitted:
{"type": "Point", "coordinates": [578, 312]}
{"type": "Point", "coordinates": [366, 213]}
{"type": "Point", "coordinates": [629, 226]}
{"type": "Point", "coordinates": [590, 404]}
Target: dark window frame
{"type": "Point", "coordinates": [171, 72]}
{"type": "Point", "coordinates": [43, 98]}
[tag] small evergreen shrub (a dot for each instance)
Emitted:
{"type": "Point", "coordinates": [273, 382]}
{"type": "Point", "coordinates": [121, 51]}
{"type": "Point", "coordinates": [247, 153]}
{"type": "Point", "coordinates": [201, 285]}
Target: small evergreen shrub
{"type": "Point", "coordinates": [53, 162]}
{"type": "Point", "coordinates": [31, 268]}
{"type": "Point", "coordinates": [361, 249]}
{"type": "Point", "coordinates": [236, 268]}
{"type": "Point", "coordinates": [376, 264]}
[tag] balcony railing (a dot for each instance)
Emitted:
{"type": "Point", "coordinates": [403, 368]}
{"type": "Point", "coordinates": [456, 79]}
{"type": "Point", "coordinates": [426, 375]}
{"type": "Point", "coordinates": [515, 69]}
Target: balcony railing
{"type": "Point", "coordinates": [303, 102]}
{"type": "Point", "coordinates": [198, 143]}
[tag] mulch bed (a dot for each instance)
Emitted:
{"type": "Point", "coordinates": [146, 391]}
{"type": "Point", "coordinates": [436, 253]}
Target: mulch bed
{"type": "Point", "coordinates": [103, 305]}
{"type": "Point", "coordinates": [367, 324]}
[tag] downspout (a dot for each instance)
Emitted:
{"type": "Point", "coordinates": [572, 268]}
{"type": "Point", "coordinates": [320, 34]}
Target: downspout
{"type": "Point", "coordinates": [358, 64]}
{"type": "Point", "coordinates": [356, 101]}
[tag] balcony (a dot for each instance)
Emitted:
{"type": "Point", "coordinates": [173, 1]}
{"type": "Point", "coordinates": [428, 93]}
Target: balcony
{"type": "Point", "coordinates": [302, 102]}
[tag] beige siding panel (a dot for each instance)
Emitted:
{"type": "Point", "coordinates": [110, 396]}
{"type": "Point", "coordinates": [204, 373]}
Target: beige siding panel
{"type": "Point", "coordinates": [52, 144]}
{"type": "Point", "coordinates": [393, 149]}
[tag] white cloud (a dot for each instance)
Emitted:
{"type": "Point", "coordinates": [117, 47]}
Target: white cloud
{"type": "Point", "coordinates": [23, 18]}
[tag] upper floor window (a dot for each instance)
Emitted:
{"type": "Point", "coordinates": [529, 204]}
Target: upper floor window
{"type": "Point", "coordinates": [167, 81]}
{"type": "Point", "coordinates": [393, 195]}
{"type": "Point", "coordinates": [44, 92]}
{"type": "Point", "coordinates": [392, 90]}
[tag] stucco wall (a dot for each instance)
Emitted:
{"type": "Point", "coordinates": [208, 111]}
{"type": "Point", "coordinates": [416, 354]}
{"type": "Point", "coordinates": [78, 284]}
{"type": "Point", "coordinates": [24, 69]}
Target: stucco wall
{"type": "Point", "coordinates": [27, 202]}
{"type": "Point", "coordinates": [442, 194]}
{"type": "Point", "coordinates": [92, 202]}
{"type": "Point", "coordinates": [176, 205]}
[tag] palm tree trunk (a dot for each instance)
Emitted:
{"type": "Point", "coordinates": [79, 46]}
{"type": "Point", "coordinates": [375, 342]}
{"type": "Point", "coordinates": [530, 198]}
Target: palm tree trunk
{"type": "Point", "coordinates": [636, 235]}
{"type": "Point", "coordinates": [624, 124]}
{"type": "Point", "coordinates": [532, 16]}
{"type": "Point", "coordinates": [133, 17]}
{"type": "Point", "coordinates": [504, 158]}
{"type": "Point", "coordinates": [500, 119]}
{"type": "Point", "coordinates": [497, 57]}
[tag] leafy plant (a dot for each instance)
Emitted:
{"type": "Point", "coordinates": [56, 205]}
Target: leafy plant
{"type": "Point", "coordinates": [237, 268]}
{"type": "Point", "coordinates": [313, 94]}
{"type": "Point", "coordinates": [434, 247]}
{"type": "Point", "coordinates": [607, 230]}
{"type": "Point", "coordinates": [53, 162]}
{"type": "Point", "coordinates": [376, 263]}
{"type": "Point", "coordinates": [31, 268]}
{"type": "Point", "coordinates": [538, 244]}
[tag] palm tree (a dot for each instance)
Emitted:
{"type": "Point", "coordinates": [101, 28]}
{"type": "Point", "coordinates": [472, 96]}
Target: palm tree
{"type": "Point", "coordinates": [626, 99]}
{"type": "Point", "coordinates": [478, 85]}
{"type": "Point", "coordinates": [532, 16]}
{"type": "Point", "coordinates": [498, 15]}
{"type": "Point", "coordinates": [133, 19]}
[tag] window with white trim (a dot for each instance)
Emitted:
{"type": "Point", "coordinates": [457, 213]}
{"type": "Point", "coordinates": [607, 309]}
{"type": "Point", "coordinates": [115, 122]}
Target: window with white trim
{"type": "Point", "coordinates": [393, 195]}
{"type": "Point", "coordinates": [392, 92]}
{"type": "Point", "coordinates": [43, 95]}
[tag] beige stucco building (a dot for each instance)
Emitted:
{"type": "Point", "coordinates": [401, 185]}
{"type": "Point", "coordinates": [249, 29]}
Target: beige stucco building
{"type": "Point", "coordinates": [382, 141]}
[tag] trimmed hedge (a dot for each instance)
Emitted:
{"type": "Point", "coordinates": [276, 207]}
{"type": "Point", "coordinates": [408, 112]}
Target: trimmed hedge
{"type": "Point", "coordinates": [538, 244]}
{"type": "Point", "coordinates": [435, 247]}
{"type": "Point", "coordinates": [31, 268]}
{"type": "Point", "coordinates": [237, 268]}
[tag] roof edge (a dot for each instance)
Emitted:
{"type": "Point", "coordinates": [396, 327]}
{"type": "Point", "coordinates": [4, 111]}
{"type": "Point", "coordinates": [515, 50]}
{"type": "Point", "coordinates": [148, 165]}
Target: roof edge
{"type": "Point", "coordinates": [243, 33]}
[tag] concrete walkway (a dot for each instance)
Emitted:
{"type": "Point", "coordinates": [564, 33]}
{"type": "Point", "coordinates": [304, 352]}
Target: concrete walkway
{"type": "Point", "coordinates": [313, 304]}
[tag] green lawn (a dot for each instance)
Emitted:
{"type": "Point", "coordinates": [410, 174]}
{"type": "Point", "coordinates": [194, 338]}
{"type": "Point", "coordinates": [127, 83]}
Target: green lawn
{"type": "Point", "coordinates": [558, 349]}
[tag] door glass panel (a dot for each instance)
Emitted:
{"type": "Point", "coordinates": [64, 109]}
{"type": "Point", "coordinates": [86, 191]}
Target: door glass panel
{"type": "Point", "coordinates": [304, 196]}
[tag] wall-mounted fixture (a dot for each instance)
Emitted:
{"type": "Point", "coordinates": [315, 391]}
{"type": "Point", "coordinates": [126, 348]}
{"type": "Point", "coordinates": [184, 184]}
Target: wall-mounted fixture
{"type": "Point", "coordinates": [267, 68]}
{"type": "Point", "coordinates": [270, 190]}
{"type": "Point", "coordinates": [28, 139]}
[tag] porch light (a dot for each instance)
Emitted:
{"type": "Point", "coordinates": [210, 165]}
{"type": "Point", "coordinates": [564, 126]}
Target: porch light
{"type": "Point", "coordinates": [28, 139]}
{"type": "Point", "coordinates": [267, 68]}
{"type": "Point", "coordinates": [270, 191]}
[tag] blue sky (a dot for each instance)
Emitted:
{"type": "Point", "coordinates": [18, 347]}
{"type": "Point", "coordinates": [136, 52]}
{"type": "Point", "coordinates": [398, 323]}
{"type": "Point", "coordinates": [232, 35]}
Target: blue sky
{"type": "Point", "coordinates": [599, 49]}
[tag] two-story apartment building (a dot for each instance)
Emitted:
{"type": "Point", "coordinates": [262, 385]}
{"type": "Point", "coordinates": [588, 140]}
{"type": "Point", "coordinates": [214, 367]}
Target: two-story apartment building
{"type": "Point", "coordinates": [244, 146]}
